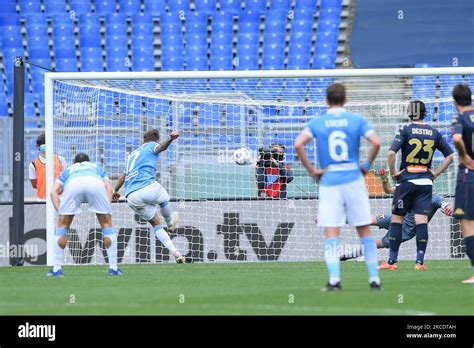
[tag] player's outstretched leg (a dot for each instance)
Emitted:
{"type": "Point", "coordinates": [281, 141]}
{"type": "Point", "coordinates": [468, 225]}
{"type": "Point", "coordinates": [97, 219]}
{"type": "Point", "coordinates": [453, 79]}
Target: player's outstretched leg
{"type": "Point", "coordinates": [395, 239]}
{"type": "Point", "coordinates": [164, 238]}
{"type": "Point", "coordinates": [467, 227]}
{"type": "Point", "coordinates": [60, 241]}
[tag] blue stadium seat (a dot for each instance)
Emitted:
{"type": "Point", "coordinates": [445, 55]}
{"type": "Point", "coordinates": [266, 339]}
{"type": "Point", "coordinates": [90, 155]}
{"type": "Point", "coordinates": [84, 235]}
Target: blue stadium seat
{"type": "Point", "coordinates": [115, 63]}
{"type": "Point", "coordinates": [142, 41]}
{"type": "Point", "coordinates": [324, 61]}
{"type": "Point", "coordinates": [205, 6]}
{"type": "Point", "coordinates": [304, 26]}
{"type": "Point", "coordinates": [231, 6]}
{"type": "Point", "coordinates": [38, 52]}
{"type": "Point", "coordinates": [447, 84]}
{"type": "Point", "coordinates": [328, 25]}
{"type": "Point", "coordinates": [274, 36]}
{"type": "Point", "coordinates": [143, 59]}
{"type": "Point", "coordinates": [94, 52]}
{"type": "Point", "coordinates": [178, 5]}
{"type": "Point", "coordinates": [196, 23]}
{"type": "Point", "coordinates": [247, 39]}
{"type": "Point", "coordinates": [155, 7]}
{"type": "Point", "coordinates": [329, 13]}
{"type": "Point", "coordinates": [250, 16]}
{"type": "Point", "coordinates": [80, 6]}
{"type": "Point", "coordinates": [293, 93]}
{"type": "Point", "coordinates": [327, 37]}
{"type": "Point", "coordinates": [9, 7]}
{"type": "Point", "coordinates": [335, 4]}
{"type": "Point", "coordinates": [298, 60]}
{"type": "Point", "coordinates": [273, 56]}
{"type": "Point", "coordinates": [247, 49]}
{"type": "Point", "coordinates": [64, 47]}
{"type": "Point", "coordinates": [89, 40]}
{"type": "Point", "coordinates": [246, 27]}
{"type": "Point", "coordinates": [36, 24]}
{"type": "Point", "coordinates": [221, 62]}
{"type": "Point", "coordinates": [446, 111]}
{"type": "Point", "coordinates": [247, 62]}
{"type": "Point", "coordinates": [196, 63]}
{"type": "Point", "coordinates": [116, 41]}
{"type": "Point", "coordinates": [54, 6]}
{"type": "Point", "coordinates": [11, 36]}
{"type": "Point", "coordinates": [9, 55]}
{"type": "Point", "coordinates": [222, 22]}
{"type": "Point", "coordinates": [309, 4]}
{"type": "Point", "coordinates": [66, 64]}
{"type": "Point", "coordinates": [172, 62]}
{"type": "Point", "coordinates": [29, 105]}
{"type": "Point", "coordinates": [118, 51]}
{"type": "Point", "coordinates": [89, 30]}
{"type": "Point", "coordinates": [29, 6]}
{"type": "Point", "coordinates": [130, 7]}
{"type": "Point", "coordinates": [10, 19]}
{"type": "Point", "coordinates": [63, 26]}
{"type": "Point", "coordinates": [116, 24]}
{"type": "Point", "coordinates": [424, 87]}
{"type": "Point", "coordinates": [256, 5]}
{"type": "Point", "coordinates": [316, 110]}
{"type": "Point", "coordinates": [105, 7]}
{"type": "Point", "coordinates": [280, 4]}
{"type": "Point", "coordinates": [92, 64]}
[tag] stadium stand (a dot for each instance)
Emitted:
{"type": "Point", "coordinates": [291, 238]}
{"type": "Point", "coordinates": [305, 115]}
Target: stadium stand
{"type": "Point", "coordinates": [123, 35]}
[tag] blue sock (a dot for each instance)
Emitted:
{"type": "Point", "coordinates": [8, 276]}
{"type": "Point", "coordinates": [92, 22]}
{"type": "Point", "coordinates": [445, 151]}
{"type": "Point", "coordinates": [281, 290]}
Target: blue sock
{"type": "Point", "coordinates": [331, 253]}
{"type": "Point", "coordinates": [109, 232]}
{"type": "Point", "coordinates": [469, 243]}
{"type": "Point", "coordinates": [395, 238]}
{"type": "Point", "coordinates": [421, 242]}
{"type": "Point", "coordinates": [370, 254]}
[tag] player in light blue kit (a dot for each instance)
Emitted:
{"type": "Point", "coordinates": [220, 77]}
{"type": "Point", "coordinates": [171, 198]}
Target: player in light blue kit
{"type": "Point", "coordinates": [342, 193]}
{"type": "Point", "coordinates": [83, 182]}
{"type": "Point", "coordinates": [144, 194]}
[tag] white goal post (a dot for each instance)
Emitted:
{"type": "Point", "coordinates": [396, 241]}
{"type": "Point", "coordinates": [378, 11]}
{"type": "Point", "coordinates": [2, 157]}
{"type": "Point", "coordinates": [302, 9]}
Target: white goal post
{"type": "Point", "coordinates": [216, 112]}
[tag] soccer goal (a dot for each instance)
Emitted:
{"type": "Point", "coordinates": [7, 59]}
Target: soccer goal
{"type": "Point", "coordinates": [223, 216]}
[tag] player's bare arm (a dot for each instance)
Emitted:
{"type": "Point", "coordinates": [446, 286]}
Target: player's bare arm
{"type": "Point", "coordinates": [34, 183]}
{"type": "Point", "coordinates": [118, 186]}
{"type": "Point", "coordinates": [57, 190]}
{"type": "Point", "coordinates": [163, 146]}
{"type": "Point", "coordinates": [392, 155]}
{"type": "Point", "coordinates": [374, 150]}
{"type": "Point", "coordinates": [443, 166]}
{"type": "Point", "coordinates": [383, 176]}
{"type": "Point", "coordinates": [108, 189]}
{"type": "Point", "coordinates": [464, 158]}
{"type": "Point", "coordinates": [299, 145]}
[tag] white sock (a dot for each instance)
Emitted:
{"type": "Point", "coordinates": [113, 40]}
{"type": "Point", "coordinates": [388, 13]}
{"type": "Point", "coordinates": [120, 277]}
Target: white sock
{"type": "Point", "coordinates": [166, 213]}
{"type": "Point", "coordinates": [164, 238]}
{"type": "Point", "coordinates": [112, 251]}
{"type": "Point", "coordinates": [58, 254]}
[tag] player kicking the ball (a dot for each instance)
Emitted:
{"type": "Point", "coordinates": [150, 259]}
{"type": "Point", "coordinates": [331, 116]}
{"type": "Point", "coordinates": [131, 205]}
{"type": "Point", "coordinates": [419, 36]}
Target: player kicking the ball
{"type": "Point", "coordinates": [414, 189]}
{"type": "Point", "coordinates": [343, 193]}
{"type": "Point", "coordinates": [382, 220]}
{"type": "Point", "coordinates": [83, 182]}
{"type": "Point", "coordinates": [144, 194]}
{"type": "Point", "coordinates": [463, 139]}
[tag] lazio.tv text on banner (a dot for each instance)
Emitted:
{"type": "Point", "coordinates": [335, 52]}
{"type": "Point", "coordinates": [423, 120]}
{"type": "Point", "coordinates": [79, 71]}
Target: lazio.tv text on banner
{"type": "Point", "coordinates": [248, 230]}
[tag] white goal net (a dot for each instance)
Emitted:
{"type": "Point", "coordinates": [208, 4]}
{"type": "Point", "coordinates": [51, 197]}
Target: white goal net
{"type": "Point", "coordinates": [223, 214]}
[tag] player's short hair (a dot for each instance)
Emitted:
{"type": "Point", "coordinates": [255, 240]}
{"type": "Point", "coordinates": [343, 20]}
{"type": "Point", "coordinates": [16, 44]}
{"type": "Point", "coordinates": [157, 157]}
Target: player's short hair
{"type": "Point", "coordinates": [41, 139]}
{"type": "Point", "coordinates": [151, 135]}
{"type": "Point", "coordinates": [336, 94]}
{"type": "Point", "coordinates": [416, 110]}
{"type": "Point", "coordinates": [462, 95]}
{"type": "Point", "coordinates": [81, 157]}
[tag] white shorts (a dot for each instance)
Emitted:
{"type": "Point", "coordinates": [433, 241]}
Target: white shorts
{"type": "Point", "coordinates": [85, 189]}
{"type": "Point", "coordinates": [344, 204]}
{"type": "Point", "coordinates": [145, 200]}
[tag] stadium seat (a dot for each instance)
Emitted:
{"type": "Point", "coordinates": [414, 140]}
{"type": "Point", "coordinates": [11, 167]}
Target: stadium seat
{"type": "Point", "coordinates": [36, 25]}
{"type": "Point", "coordinates": [38, 52]}
{"type": "Point", "coordinates": [221, 62]}
{"type": "Point", "coordinates": [196, 63]}
{"type": "Point", "coordinates": [89, 30]}
{"type": "Point", "coordinates": [256, 5]}
{"type": "Point", "coordinates": [116, 24]}
{"type": "Point", "coordinates": [424, 87]}
{"type": "Point", "coordinates": [3, 105]}
{"type": "Point", "coordinates": [329, 13]}
{"type": "Point", "coordinates": [11, 37]}
{"type": "Point", "coordinates": [143, 59]}
{"type": "Point", "coordinates": [446, 111]}
{"type": "Point", "coordinates": [251, 28]}
{"type": "Point", "coordinates": [115, 63]}
{"type": "Point", "coordinates": [54, 6]}
{"type": "Point", "coordinates": [196, 23]}
{"type": "Point", "coordinates": [324, 61]}
{"type": "Point", "coordinates": [9, 19]}
{"type": "Point", "coordinates": [105, 7]}
{"type": "Point", "coordinates": [222, 22]}
{"type": "Point", "coordinates": [130, 7]}
{"type": "Point", "coordinates": [335, 4]}
{"type": "Point", "coordinates": [298, 60]}
{"type": "Point", "coordinates": [280, 4]}
{"type": "Point", "coordinates": [273, 56]}
{"type": "Point", "coordinates": [142, 41]}
{"type": "Point", "coordinates": [178, 5]}
{"type": "Point", "coordinates": [447, 83]}
{"type": "Point", "coordinates": [9, 7]}
{"type": "Point", "coordinates": [64, 46]}
{"type": "Point", "coordinates": [29, 6]}
{"type": "Point", "coordinates": [247, 62]}
{"type": "Point", "coordinates": [116, 41]}
{"type": "Point", "coordinates": [172, 62]}
{"type": "Point", "coordinates": [63, 26]}
{"type": "Point", "coordinates": [231, 6]}
{"type": "Point", "coordinates": [9, 55]}
{"type": "Point", "coordinates": [66, 64]}
{"type": "Point", "coordinates": [80, 6]}
{"type": "Point", "coordinates": [155, 7]}
{"type": "Point", "coordinates": [118, 51]}
{"type": "Point", "coordinates": [142, 23]}
{"type": "Point", "coordinates": [309, 4]}
{"type": "Point", "coordinates": [29, 101]}
{"type": "Point", "coordinates": [205, 6]}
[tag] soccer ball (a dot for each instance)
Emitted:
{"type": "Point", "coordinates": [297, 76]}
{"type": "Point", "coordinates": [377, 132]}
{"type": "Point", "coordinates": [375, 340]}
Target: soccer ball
{"type": "Point", "coordinates": [242, 156]}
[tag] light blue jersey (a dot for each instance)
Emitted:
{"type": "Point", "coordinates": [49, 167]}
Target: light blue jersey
{"type": "Point", "coordinates": [81, 169]}
{"type": "Point", "coordinates": [338, 134]}
{"type": "Point", "coordinates": [141, 167]}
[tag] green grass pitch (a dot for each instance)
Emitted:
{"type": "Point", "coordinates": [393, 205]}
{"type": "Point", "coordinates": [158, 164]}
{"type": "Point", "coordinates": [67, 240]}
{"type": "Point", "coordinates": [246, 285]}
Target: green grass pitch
{"type": "Point", "coordinates": [237, 288]}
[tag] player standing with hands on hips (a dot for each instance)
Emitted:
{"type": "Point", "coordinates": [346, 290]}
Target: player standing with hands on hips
{"type": "Point", "coordinates": [343, 192]}
{"type": "Point", "coordinates": [144, 194]}
{"type": "Point", "coordinates": [463, 139]}
{"type": "Point", "coordinates": [414, 190]}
